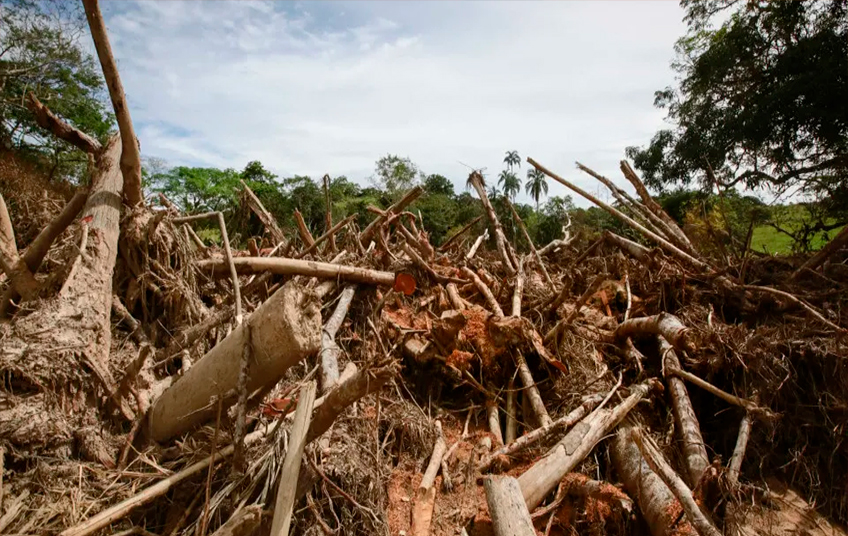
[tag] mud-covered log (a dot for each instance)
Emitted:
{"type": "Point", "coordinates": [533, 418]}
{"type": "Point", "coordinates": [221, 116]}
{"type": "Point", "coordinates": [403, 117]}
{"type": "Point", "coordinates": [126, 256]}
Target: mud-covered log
{"type": "Point", "coordinates": [509, 514]}
{"type": "Point", "coordinates": [286, 328]}
{"type": "Point", "coordinates": [79, 316]}
{"type": "Point", "coordinates": [34, 255]}
{"type": "Point", "coordinates": [282, 266]}
{"type": "Point", "coordinates": [656, 502]}
{"type": "Point", "coordinates": [544, 475]}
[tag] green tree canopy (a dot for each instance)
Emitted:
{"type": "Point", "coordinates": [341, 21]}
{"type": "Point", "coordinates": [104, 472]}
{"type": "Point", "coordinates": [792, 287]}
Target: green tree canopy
{"type": "Point", "coordinates": [40, 51]}
{"type": "Point", "coordinates": [438, 184]}
{"type": "Point", "coordinates": [396, 175]}
{"type": "Point", "coordinates": [761, 101]}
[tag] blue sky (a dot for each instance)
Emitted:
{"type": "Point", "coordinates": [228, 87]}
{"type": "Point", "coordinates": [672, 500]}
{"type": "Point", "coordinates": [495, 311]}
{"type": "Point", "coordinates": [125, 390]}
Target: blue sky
{"type": "Point", "coordinates": [329, 87]}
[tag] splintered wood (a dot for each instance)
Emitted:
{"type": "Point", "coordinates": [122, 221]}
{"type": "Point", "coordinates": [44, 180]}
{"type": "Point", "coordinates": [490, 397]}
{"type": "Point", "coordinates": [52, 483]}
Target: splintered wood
{"type": "Point", "coordinates": [145, 357]}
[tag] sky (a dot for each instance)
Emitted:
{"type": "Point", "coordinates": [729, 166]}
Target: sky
{"type": "Point", "coordinates": [310, 88]}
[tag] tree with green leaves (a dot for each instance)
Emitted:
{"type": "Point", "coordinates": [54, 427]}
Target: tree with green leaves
{"type": "Point", "coordinates": [512, 159]}
{"type": "Point", "coordinates": [40, 51]}
{"type": "Point", "coordinates": [536, 185]}
{"type": "Point", "coordinates": [438, 184]}
{"type": "Point", "coordinates": [510, 183]}
{"type": "Point", "coordinates": [396, 175]}
{"type": "Point", "coordinates": [761, 101]}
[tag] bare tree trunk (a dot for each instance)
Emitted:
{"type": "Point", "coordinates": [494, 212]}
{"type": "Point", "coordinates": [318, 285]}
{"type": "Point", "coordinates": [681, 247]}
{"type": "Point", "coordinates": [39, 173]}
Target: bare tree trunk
{"type": "Point", "coordinates": [130, 156]}
{"type": "Point", "coordinates": [660, 466]}
{"type": "Point", "coordinates": [305, 235]}
{"type": "Point", "coordinates": [544, 475]}
{"type": "Point", "coordinates": [62, 130]}
{"type": "Point", "coordinates": [668, 326]}
{"type": "Point", "coordinates": [652, 205]}
{"type": "Point", "coordinates": [509, 514]}
{"type": "Point", "coordinates": [80, 315]}
{"type": "Point", "coordinates": [500, 238]}
{"type": "Point", "coordinates": [264, 216]}
{"type": "Point", "coordinates": [838, 242]}
{"type": "Point", "coordinates": [286, 328]}
{"type": "Point", "coordinates": [673, 250]}
{"type": "Point", "coordinates": [685, 420]}
{"type": "Point", "coordinates": [330, 351]}
{"type": "Point", "coordinates": [282, 266]}
{"type": "Point", "coordinates": [530, 241]}
{"type": "Point", "coordinates": [397, 208]}
{"type": "Point", "coordinates": [658, 505]}
{"type": "Point", "coordinates": [287, 487]}
{"type": "Point", "coordinates": [35, 253]}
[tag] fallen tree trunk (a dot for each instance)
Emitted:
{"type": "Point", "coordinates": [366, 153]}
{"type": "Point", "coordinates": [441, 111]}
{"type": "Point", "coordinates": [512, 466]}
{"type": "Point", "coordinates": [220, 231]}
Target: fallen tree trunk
{"type": "Point", "coordinates": [673, 482]}
{"type": "Point", "coordinates": [282, 266]}
{"type": "Point", "coordinates": [673, 250]}
{"type": "Point", "coordinates": [658, 505]}
{"type": "Point", "coordinates": [500, 240]}
{"type": "Point", "coordinates": [509, 514]}
{"type": "Point", "coordinates": [531, 438]}
{"type": "Point", "coordinates": [838, 242]}
{"type": "Point", "coordinates": [19, 274]}
{"type": "Point", "coordinates": [668, 326]}
{"type": "Point", "coordinates": [330, 351]}
{"type": "Point", "coordinates": [303, 230]}
{"type": "Point", "coordinates": [34, 255]}
{"type": "Point", "coordinates": [286, 328]}
{"type": "Point", "coordinates": [652, 205]}
{"type": "Point", "coordinates": [397, 208]}
{"type": "Point", "coordinates": [347, 392]}
{"type": "Point", "coordinates": [544, 475]}
{"type": "Point", "coordinates": [686, 422]}
{"type": "Point", "coordinates": [287, 486]}
{"type": "Point", "coordinates": [264, 216]}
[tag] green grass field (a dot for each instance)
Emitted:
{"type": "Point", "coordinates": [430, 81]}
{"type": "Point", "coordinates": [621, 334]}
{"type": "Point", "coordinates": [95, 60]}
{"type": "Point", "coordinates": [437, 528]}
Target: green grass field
{"type": "Point", "coordinates": [769, 240]}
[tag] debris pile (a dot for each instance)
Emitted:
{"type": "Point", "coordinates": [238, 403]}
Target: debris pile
{"type": "Point", "coordinates": [366, 382]}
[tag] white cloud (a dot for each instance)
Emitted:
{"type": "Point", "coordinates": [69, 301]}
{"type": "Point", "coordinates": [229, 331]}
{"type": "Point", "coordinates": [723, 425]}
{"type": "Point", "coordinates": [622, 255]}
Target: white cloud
{"type": "Point", "coordinates": [318, 88]}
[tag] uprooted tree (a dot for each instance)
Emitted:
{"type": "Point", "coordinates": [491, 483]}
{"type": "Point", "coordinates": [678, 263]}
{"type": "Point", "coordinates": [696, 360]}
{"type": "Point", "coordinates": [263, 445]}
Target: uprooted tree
{"type": "Point", "coordinates": [156, 384]}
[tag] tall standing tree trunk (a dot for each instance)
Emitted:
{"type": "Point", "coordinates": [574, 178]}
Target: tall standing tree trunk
{"type": "Point", "coordinates": [70, 334]}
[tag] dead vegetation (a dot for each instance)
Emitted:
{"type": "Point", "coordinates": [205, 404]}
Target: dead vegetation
{"type": "Point", "coordinates": [363, 382]}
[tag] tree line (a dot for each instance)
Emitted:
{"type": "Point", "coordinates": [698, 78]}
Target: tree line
{"type": "Point", "coordinates": [759, 104]}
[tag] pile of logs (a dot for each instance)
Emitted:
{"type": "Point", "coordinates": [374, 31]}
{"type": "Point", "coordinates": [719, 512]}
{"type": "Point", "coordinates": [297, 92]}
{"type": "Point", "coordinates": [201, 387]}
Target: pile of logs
{"type": "Point", "coordinates": [156, 351]}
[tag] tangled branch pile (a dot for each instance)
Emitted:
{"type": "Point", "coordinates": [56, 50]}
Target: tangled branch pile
{"type": "Point", "coordinates": [364, 382]}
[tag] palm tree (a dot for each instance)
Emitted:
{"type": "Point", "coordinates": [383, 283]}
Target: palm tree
{"type": "Point", "coordinates": [536, 185]}
{"type": "Point", "coordinates": [510, 183]}
{"type": "Point", "coordinates": [512, 159]}
{"type": "Point", "coordinates": [493, 193]}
